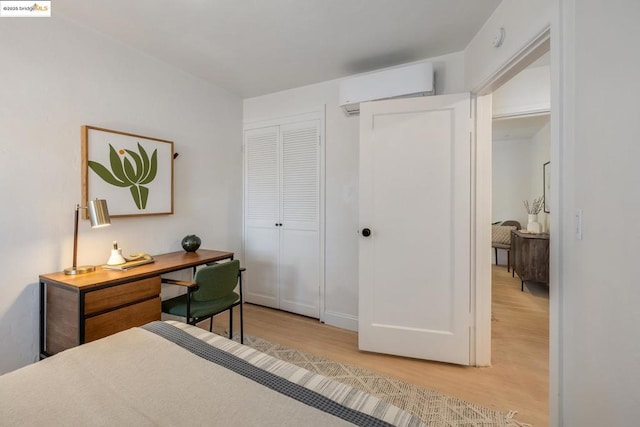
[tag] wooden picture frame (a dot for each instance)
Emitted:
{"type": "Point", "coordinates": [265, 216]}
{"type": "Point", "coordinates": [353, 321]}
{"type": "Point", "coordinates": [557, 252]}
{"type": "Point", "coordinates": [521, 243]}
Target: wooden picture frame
{"type": "Point", "coordinates": [546, 185]}
{"type": "Point", "coordinates": [134, 173]}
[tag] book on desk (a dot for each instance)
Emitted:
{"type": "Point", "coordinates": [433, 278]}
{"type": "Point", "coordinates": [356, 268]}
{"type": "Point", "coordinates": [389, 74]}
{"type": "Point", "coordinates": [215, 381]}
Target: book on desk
{"type": "Point", "coordinates": [131, 263]}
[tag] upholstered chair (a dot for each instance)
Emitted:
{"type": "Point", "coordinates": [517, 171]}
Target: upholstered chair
{"type": "Point", "coordinates": [501, 238]}
{"type": "Point", "coordinates": [211, 292]}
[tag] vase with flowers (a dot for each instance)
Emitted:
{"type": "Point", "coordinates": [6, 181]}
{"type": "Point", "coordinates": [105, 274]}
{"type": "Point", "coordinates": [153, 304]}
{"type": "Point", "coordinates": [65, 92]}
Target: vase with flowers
{"type": "Point", "coordinates": [533, 209]}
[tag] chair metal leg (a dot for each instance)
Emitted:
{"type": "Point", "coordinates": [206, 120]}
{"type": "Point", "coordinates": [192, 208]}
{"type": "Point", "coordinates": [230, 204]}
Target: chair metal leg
{"type": "Point", "coordinates": [496, 249]}
{"type": "Point", "coordinates": [508, 260]}
{"type": "Point", "coordinates": [231, 323]}
{"type": "Point", "coordinates": [211, 324]}
{"type": "Point", "coordinates": [188, 305]}
{"type": "Point", "coordinates": [241, 326]}
{"type": "Point", "coordinates": [241, 304]}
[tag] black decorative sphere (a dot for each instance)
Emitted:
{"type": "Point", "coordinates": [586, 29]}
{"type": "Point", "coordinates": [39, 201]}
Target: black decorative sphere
{"type": "Point", "coordinates": [191, 243]}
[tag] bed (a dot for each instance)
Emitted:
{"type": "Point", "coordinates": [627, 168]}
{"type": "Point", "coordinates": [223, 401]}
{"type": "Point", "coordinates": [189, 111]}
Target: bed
{"type": "Point", "coordinates": [169, 373]}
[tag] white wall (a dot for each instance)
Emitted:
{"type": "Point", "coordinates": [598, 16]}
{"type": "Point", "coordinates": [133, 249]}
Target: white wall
{"type": "Point", "coordinates": [517, 176]}
{"type": "Point", "coordinates": [341, 203]}
{"type": "Point", "coordinates": [526, 93]}
{"type": "Point", "coordinates": [598, 84]}
{"type": "Point", "coordinates": [540, 154]}
{"type": "Point", "coordinates": [56, 76]}
{"type": "Point", "coordinates": [512, 178]}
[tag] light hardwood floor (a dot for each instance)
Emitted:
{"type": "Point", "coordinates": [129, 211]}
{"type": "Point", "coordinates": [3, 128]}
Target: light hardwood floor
{"type": "Point", "coordinates": [517, 380]}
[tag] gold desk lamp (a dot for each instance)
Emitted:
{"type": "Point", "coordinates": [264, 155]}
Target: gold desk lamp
{"type": "Point", "coordinates": [99, 217]}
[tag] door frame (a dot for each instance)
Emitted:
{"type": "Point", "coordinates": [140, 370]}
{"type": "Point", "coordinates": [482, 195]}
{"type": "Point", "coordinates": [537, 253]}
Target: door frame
{"type": "Point", "coordinates": [482, 177]}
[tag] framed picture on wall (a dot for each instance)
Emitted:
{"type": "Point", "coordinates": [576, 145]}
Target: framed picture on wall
{"type": "Point", "coordinates": [134, 173]}
{"type": "Point", "coordinates": [546, 180]}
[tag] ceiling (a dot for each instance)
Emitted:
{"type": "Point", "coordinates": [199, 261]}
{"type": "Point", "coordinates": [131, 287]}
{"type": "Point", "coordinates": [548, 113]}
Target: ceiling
{"type": "Point", "coordinates": [254, 47]}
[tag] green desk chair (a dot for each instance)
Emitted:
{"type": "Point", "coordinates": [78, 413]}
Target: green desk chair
{"type": "Point", "coordinates": [210, 293]}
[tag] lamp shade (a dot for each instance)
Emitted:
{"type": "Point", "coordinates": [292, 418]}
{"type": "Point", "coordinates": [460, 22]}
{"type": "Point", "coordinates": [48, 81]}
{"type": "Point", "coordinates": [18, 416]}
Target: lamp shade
{"type": "Point", "coordinates": [99, 217]}
{"type": "Point", "coordinates": [98, 213]}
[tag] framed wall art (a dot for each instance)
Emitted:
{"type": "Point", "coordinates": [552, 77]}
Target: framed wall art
{"type": "Point", "coordinates": [134, 173]}
{"type": "Point", "coordinates": [546, 185]}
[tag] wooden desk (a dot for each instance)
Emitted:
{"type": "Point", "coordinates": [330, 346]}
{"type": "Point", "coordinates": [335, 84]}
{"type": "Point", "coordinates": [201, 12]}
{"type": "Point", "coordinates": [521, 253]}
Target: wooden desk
{"type": "Point", "coordinates": [86, 307]}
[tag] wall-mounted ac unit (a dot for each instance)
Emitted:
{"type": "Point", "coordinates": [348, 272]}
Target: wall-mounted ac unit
{"type": "Point", "coordinates": [402, 82]}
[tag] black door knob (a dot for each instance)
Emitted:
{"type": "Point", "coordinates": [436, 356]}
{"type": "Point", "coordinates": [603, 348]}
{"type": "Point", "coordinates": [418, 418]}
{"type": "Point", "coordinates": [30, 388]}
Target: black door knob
{"type": "Point", "coordinates": [366, 232]}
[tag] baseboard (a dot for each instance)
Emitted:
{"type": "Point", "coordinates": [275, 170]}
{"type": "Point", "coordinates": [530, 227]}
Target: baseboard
{"type": "Point", "coordinates": [341, 320]}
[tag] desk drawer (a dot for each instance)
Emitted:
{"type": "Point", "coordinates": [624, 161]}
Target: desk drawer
{"type": "Point", "coordinates": [124, 318]}
{"type": "Point", "coordinates": [119, 295]}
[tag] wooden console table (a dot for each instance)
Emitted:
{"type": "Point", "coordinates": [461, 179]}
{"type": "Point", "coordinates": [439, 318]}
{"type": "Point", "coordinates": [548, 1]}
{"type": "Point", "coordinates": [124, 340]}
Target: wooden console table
{"type": "Point", "coordinates": [86, 307]}
{"type": "Point", "coordinates": [530, 257]}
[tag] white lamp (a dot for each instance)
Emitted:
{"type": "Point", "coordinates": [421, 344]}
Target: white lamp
{"type": "Point", "coordinates": [99, 217]}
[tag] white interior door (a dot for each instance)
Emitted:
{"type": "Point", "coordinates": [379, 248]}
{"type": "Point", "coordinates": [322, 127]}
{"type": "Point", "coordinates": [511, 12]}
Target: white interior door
{"type": "Point", "coordinates": [300, 212]}
{"type": "Point", "coordinates": [415, 197]}
{"type": "Point", "coordinates": [262, 204]}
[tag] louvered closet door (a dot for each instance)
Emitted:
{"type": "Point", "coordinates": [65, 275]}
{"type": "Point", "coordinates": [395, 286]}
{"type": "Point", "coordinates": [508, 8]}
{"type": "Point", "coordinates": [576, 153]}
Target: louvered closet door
{"type": "Point", "coordinates": [262, 211]}
{"type": "Point", "coordinates": [299, 275]}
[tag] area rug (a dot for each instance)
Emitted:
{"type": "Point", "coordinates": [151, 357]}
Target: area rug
{"type": "Point", "coordinates": [435, 409]}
